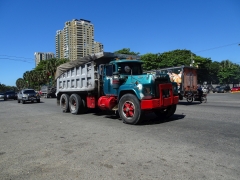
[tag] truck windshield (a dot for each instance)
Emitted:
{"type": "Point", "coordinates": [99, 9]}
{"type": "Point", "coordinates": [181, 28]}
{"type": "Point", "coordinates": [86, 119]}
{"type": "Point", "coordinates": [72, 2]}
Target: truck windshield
{"type": "Point", "coordinates": [135, 68]}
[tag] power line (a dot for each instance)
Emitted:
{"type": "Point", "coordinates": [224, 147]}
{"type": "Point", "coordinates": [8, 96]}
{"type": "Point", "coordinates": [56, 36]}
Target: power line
{"type": "Point", "coordinates": [218, 47]}
{"type": "Point", "coordinates": [17, 57]}
{"type": "Point", "coordinates": [16, 60]}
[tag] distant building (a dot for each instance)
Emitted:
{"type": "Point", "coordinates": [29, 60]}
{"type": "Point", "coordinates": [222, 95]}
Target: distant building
{"type": "Point", "coordinates": [98, 47]}
{"type": "Point", "coordinates": [59, 45]}
{"type": "Point", "coordinates": [40, 56]}
{"type": "Point", "coordinates": [76, 40]}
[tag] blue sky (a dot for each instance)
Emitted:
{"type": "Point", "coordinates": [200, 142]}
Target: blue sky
{"type": "Point", "coordinates": [209, 28]}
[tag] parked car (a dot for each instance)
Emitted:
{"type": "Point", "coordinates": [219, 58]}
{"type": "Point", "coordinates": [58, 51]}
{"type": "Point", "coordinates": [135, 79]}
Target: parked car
{"type": "Point", "coordinates": [222, 89]}
{"type": "Point", "coordinates": [10, 95]}
{"type": "Point", "coordinates": [3, 96]}
{"type": "Point", "coordinates": [235, 89]}
{"type": "Point", "coordinates": [28, 95]}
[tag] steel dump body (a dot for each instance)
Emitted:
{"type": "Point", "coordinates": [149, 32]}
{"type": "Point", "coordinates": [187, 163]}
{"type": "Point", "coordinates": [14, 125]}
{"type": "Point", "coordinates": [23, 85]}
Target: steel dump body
{"type": "Point", "coordinates": [81, 78]}
{"type": "Point", "coordinates": [184, 76]}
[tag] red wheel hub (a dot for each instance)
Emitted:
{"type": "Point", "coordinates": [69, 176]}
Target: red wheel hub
{"type": "Point", "coordinates": [128, 109]}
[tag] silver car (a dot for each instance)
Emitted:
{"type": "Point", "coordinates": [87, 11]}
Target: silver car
{"type": "Point", "coordinates": [28, 95]}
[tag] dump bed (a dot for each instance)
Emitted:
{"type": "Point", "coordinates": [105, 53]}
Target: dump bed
{"type": "Point", "coordinates": [81, 78]}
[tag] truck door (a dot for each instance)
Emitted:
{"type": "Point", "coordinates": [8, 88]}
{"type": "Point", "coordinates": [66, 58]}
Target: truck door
{"type": "Point", "coordinates": [107, 80]}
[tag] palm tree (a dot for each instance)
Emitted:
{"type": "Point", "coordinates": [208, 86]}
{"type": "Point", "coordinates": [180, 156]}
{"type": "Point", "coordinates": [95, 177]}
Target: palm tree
{"type": "Point", "coordinates": [20, 83]}
{"type": "Point", "coordinates": [26, 77]}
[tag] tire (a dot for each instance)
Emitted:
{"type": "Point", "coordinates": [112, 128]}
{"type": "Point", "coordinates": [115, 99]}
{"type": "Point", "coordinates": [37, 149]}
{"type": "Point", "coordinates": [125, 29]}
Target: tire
{"type": "Point", "coordinates": [64, 103]}
{"type": "Point", "coordinates": [18, 101]}
{"type": "Point", "coordinates": [23, 101]}
{"type": "Point", "coordinates": [189, 99]}
{"type": "Point", "coordinates": [166, 113]}
{"type": "Point", "coordinates": [75, 104]}
{"type": "Point", "coordinates": [38, 100]}
{"type": "Point", "coordinates": [129, 109]}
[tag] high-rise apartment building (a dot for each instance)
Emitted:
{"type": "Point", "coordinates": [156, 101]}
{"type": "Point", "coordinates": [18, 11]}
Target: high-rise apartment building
{"type": "Point", "coordinates": [98, 47]}
{"type": "Point", "coordinates": [40, 56]}
{"type": "Point", "coordinates": [59, 45]}
{"type": "Point", "coordinates": [76, 40]}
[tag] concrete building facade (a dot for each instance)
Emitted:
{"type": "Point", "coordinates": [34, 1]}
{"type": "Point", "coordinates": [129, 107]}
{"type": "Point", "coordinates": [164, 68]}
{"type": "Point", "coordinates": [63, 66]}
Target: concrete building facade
{"type": "Point", "coordinates": [98, 47]}
{"type": "Point", "coordinates": [76, 40]}
{"type": "Point", "coordinates": [41, 56]}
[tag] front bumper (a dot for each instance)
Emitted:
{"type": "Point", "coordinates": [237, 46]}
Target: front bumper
{"type": "Point", "coordinates": [30, 98]}
{"type": "Point", "coordinates": [162, 101]}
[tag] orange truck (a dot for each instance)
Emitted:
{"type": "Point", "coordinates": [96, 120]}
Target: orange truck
{"type": "Point", "coordinates": [185, 77]}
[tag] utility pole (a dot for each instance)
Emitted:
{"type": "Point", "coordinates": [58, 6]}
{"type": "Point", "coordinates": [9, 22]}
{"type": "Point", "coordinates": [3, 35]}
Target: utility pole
{"type": "Point", "coordinates": [192, 61]}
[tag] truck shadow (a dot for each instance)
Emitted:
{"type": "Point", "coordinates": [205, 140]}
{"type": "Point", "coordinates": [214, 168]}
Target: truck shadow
{"type": "Point", "coordinates": [147, 119]}
{"type": "Point", "coordinates": [151, 119]}
{"type": "Point", "coordinates": [189, 104]}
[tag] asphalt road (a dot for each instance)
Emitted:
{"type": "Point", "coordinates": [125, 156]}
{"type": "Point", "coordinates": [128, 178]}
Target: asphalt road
{"type": "Point", "coordinates": [201, 141]}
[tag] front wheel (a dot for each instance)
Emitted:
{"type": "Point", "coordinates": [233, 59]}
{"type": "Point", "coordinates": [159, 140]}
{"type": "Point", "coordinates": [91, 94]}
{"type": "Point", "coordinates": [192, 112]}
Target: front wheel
{"type": "Point", "coordinates": [129, 109]}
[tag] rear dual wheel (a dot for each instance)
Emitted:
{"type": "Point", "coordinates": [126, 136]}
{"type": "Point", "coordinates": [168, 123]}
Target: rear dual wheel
{"type": "Point", "coordinates": [75, 104]}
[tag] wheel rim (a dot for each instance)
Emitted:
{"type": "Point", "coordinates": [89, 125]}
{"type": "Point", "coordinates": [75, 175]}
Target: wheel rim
{"type": "Point", "coordinates": [73, 104]}
{"type": "Point", "coordinates": [128, 109]}
{"type": "Point", "coordinates": [189, 99]}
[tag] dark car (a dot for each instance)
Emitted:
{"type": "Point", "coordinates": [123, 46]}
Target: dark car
{"type": "Point", "coordinates": [10, 95]}
{"type": "Point", "coordinates": [221, 89]}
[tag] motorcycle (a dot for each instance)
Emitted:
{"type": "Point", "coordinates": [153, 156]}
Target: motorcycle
{"type": "Point", "coordinates": [195, 97]}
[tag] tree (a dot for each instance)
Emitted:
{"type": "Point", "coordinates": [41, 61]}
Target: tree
{"type": "Point", "coordinates": [126, 51]}
{"type": "Point", "coordinates": [228, 72]}
{"type": "Point", "coordinates": [151, 61]}
{"type": "Point", "coordinates": [20, 83]}
{"type": "Point", "coordinates": [26, 77]}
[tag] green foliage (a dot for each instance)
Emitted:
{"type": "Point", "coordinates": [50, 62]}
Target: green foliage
{"type": "Point", "coordinates": [176, 58]}
{"type": "Point", "coordinates": [151, 61]}
{"type": "Point", "coordinates": [4, 88]}
{"type": "Point", "coordinates": [228, 72]}
{"type": "Point", "coordinates": [40, 75]}
{"type": "Point", "coordinates": [20, 83]}
{"type": "Point", "coordinates": [126, 51]}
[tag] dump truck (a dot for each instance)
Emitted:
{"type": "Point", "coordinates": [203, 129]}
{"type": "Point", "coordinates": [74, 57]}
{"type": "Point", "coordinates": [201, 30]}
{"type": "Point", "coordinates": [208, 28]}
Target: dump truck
{"type": "Point", "coordinates": [185, 77]}
{"type": "Point", "coordinates": [114, 82]}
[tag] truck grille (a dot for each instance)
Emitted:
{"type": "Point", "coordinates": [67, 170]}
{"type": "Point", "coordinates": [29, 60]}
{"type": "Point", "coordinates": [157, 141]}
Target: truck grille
{"type": "Point", "coordinates": [161, 81]}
